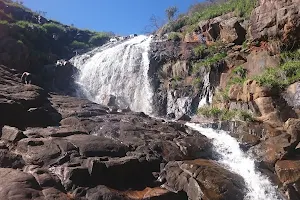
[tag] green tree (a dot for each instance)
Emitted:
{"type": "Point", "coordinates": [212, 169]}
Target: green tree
{"type": "Point", "coordinates": [171, 12]}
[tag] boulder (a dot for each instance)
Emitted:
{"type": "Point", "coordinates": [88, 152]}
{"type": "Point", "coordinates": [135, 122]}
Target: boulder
{"type": "Point", "coordinates": [10, 160]}
{"type": "Point", "coordinates": [292, 127]}
{"type": "Point", "coordinates": [11, 134]}
{"type": "Point", "coordinates": [202, 179]}
{"type": "Point", "coordinates": [232, 32]}
{"type": "Point", "coordinates": [292, 95]}
{"type": "Point", "coordinates": [265, 105]}
{"type": "Point", "coordinates": [18, 185]}
{"type": "Point", "coordinates": [273, 149]}
{"type": "Point", "coordinates": [38, 151]}
{"type": "Point", "coordinates": [90, 145]}
{"type": "Point", "coordinates": [288, 171]}
{"type": "Point", "coordinates": [211, 28]}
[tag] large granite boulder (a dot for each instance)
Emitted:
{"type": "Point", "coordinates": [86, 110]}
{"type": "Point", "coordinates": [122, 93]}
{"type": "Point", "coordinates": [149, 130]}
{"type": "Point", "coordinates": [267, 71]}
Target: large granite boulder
{"type": "Point", "coordinates": [202, 179]}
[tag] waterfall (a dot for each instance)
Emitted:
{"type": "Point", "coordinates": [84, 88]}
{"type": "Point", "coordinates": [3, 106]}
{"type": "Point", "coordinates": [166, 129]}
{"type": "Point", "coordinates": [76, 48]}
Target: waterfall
{"type": "Point", "coordinates": [207, 94]}
{"type": "Point", "coordinates": [232, 157]}
{"type": "Point", "coordinates": [119, 70]}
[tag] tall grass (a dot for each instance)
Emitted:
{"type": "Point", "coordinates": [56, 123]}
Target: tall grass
{"type": "Point", "coordinates": [242, 8]}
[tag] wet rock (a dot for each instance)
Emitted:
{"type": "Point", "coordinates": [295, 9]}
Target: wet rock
{"type": "Point", "coordinates": [288, 171]}
{"type": "Point", "coordinates": [273, 149]}
{"type": "Point", "coordinates": [248, 140]}
{"type": "Point", "coordinates": [11, 134]}
{"type": "Point", "coordinates": [202, 179]}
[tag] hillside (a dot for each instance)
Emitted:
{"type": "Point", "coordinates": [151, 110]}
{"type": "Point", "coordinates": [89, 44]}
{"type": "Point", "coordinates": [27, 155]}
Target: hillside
{"type": "Point", "coordinates": [29, 40]}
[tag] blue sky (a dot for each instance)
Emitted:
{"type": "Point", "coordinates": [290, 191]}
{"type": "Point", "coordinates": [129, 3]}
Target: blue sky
{"type": "Point", "coordinates": [119, 16]}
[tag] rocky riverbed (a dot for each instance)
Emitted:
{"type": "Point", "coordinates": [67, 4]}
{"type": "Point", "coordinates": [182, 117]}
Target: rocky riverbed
{"type": "Point", "coordinates": [60, 147]}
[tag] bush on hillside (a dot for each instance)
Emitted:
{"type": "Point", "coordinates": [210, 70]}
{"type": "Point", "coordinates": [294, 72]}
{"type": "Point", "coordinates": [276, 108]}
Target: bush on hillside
{"type": "Point", "coordinates": [99, 39]}
{"type": "Point", "coordinates": [225, 114]}
{"type": "Point", "coordinates": [242, 8]}
{"type": "Point", "coordinates": [54, 28]}
{"type": "Point", "coordinates": [174, 36]}
{"type": "Point", "coordinates": [79, 45]}
{"type": "Point", "coordinates": [280, 77]}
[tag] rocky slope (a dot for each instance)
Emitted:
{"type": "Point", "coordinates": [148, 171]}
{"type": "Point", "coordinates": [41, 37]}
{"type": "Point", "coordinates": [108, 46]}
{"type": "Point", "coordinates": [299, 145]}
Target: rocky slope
{"type": "Point", "coordinates": [255, 83]}
{"type": "Point", "coordinates": [61, 147]}
{"type": "Point", "coordinates": [30, 41]}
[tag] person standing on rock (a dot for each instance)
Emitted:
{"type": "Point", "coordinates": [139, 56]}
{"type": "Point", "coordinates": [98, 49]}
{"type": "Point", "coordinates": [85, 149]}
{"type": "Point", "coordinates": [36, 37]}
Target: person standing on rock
{"type": "Point", "coordinates": [26, 78]}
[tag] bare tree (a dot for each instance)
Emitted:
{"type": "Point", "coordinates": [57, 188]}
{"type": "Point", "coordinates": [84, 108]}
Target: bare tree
{"type": "Point", "coordinates": [155, 24]}
{"type": "Point", "coordinates": [171, 12]}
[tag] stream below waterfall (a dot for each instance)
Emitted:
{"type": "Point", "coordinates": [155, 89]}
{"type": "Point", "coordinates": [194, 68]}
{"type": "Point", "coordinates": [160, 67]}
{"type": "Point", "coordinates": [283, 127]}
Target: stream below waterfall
{"type": "Point", "coordinates": [121, 70]}
{"type": "Point", "coordinates": [233, 158]}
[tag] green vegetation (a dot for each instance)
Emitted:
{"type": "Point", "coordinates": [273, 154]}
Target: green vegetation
{"type": "Point", "coordinates": [197, 81]}
{"type": "Point", "coordinates": [199, 50]}
{"type": "Point", "coordinates": [240, 71]}
{"type": "Point", "coordinates": [99, 38]}
{"type": "Point", "coordinates": [209, 61]}
{"type": "Point", "coordinates": [225, 114]}
{"type": "Point", "coordinates": [242, 8]}
{"type": "Point", "coordinates": [280, 77]}
{"type": "Point", "coordinates": [290, 55]}
{"type": "Point", "coordinates": [174, 36]}
{"type": "Point", "coordinates": [54, 28]}
{"type": "Point", "coordinates": [79, 45]}
{"type": "Point", "coordinates": [3, 22]}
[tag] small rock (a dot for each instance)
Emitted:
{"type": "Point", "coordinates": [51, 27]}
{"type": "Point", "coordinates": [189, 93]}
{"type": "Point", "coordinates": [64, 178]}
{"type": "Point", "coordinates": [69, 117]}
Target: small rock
{"type": "Point", "coordinates": [12, 134]}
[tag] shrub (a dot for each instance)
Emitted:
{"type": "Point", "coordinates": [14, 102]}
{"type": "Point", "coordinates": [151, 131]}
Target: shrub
{"type": "Point", "coordinates": [23, 24]}
{"type": "Point", "coordinates": [3, 22]}
{"type": "Point", "coordinates": [209, 61]}
{"type": "Point", "coordinates": [99, 38]}
{"type": "Point", "coordinates": [174, 36]}
{"type": "Point", "coordinates": [242, 8]}
{"type": "Point", "coordinates": [240, 71]}
{"type": "Point", "coordinates": [290, 55]}
{"type": "Point", "coordinates": [225, 114]}
{"type": "Point", "coordinates": [79, 45]}
{"type": "Point", "coordinates": [280, 77]}
{"type": "Point", "coordinates": [197, 81]}
{"type": "Point", "coordinates": [199, 50]}
{"type": "Point", "coordinates": [174, 26]}
{"type": "Point", "coordinates": [54, 28]}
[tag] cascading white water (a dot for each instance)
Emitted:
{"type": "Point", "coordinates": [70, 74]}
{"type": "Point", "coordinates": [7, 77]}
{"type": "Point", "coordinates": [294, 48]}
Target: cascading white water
{"type": "Point", "coordinates": [120, 70]}
{"type": "Point", "coordinates": [207, 94]}
{"type": "Point", "coordinates": [232, 157]}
